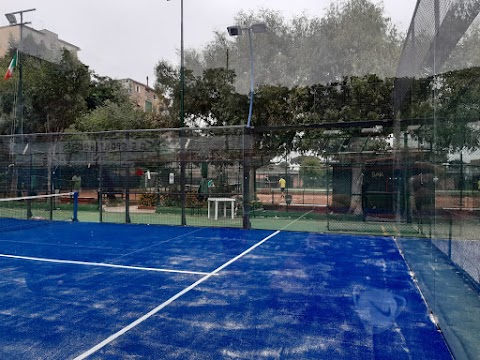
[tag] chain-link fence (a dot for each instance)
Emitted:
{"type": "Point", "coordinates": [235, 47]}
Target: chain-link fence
{"type": "Point", "coordinates": [132, 176]}
{"type": "Point", "coordinates": [202, 176]}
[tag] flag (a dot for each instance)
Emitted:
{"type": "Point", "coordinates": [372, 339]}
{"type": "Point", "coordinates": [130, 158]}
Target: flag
{"type": "Point", "coordinates": [12, 66]}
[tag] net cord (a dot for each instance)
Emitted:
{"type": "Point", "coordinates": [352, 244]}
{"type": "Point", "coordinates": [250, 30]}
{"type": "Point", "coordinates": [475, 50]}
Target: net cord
{"type": "Point", "coordinates": [37, 197]}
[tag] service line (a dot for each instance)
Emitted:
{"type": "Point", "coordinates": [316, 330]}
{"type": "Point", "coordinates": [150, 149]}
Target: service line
{"type": "Point", "coordinates": [169, 301]}
{"type": "Point", "coordinates": [73, 262]}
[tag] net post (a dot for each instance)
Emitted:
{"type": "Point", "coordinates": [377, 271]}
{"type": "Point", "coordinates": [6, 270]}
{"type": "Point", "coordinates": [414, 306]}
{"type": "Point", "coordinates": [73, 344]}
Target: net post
{"type": "Point", "coordinates": [99, 149]}
{"type": "Point", "coordinates": [50, 211]}
{"type": "Point", "coordinates": [127, 196]}
{"type": "Point", "coordinates": [29, 209]}
{"type": "Point", "coordinates": [127, 183]}
{"type": "Point", "coordinates": [75, 206]}
{"type": "Point", "coordinates": [183, 219]}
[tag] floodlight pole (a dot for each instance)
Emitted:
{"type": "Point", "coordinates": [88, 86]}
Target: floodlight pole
{"type": "Point", "coordinates": [13, 22]}
{"type": "Point", "coordinates": [182, 119]}
{"type": "Point", "coordinates": [246, 144]}
{"type": "Point", "coordinates": [252, 77]}
{"type": "Point", "coordinates": [247, 134]}
{"type": "Point", "coordinates": [20, 81]}
{"type": "Point", "coordinates": [182, 69]}
{"type": "Point", "coordinates": [236, 31]}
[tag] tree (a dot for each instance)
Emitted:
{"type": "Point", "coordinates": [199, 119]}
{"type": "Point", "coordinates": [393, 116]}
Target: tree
{"type": "Point", "coordinates": [103, 88]}
{"type": "Point", "coordinates": [308, 50]}
{"type": "Point", "coordinates": [7, 98]}
{"type": "Point", "coordinates": [54, 94]}
{"type": "Point", "coordinates": [112, 116]}
{"type": "Point", "coordinates": [273, 107]}
{"type": "Point", "coordinates": [316, 56]}
{"type": "Point", "coordinates": [375, 51]}
{"type": "Point", "coordinates": [168, 85]}
{"type": "Point", "coordinates": [210, 98]}
{"type": "Point", "coordinates": [311, 171]}
{"type": "Point", "coordinates": [457, 111]}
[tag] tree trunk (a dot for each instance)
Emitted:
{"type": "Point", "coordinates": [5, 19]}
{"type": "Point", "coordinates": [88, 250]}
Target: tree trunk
{"type": "Point", "coordinates": [357, 182]}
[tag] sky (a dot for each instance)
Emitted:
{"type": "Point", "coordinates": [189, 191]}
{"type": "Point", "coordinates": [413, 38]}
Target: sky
{"type": "Point", "coordinates": [126, 39]}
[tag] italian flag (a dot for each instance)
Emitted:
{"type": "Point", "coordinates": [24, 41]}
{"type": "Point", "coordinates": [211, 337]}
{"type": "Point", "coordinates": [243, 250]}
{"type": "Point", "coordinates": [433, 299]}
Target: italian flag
{"type": "Point", "coordinates": [12, 66]}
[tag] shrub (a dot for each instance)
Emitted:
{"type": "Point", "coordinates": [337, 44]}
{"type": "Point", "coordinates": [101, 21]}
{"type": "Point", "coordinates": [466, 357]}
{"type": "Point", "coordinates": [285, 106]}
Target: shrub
{"type": "Point", "coordinates": [192, 200]}
{"type": "Point", "coordinates": [149, 199]}
{"type": "Point", "coordinates": [171, 199]}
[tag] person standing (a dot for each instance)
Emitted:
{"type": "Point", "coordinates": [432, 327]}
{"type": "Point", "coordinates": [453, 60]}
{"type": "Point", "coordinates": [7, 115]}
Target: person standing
{"type": "Point", "coordinates": [282, 183]}
{"type": "Point", "coordinates": [76, 182]}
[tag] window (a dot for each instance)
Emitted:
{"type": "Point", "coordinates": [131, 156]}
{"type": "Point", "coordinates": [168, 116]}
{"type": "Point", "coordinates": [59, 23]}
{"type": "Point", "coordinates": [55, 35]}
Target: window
{"type": "Point", "coordinates": [148, 106]}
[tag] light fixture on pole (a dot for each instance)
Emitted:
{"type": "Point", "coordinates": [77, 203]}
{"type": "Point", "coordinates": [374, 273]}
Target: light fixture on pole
{"type": "Point", "coordinates": [238, 31]}
{"type": "Point", "coordinates": [11, 19]}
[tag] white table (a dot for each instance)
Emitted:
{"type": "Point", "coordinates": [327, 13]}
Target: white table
{"type": "Point", "coordinates": [225, 201]}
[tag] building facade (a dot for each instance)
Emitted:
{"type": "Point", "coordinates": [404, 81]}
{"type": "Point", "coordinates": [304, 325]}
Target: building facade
{"type": "Point", "coordinates": [142, 95]}
{"type": "Point", "coordinates": [43, 44]}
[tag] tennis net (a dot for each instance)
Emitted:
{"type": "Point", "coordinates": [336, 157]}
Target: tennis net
{"type": "Point", "coordinates": [28, 211]}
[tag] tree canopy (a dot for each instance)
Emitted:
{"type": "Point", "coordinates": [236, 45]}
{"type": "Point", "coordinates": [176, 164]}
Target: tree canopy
{"type": "Point", "coordinates": [354, 38]}
{"type": "Point", "coordinates": [55, 94]}
{"type": "Point", "coordinates": [68, 95]}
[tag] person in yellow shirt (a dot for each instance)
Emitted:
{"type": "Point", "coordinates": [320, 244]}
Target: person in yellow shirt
{"type": "Point", "coordinates": [282, 183]}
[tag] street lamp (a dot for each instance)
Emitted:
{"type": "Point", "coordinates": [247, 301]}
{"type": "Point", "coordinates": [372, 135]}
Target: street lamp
{"type": "Point", "coordinates": [182, 117]}
{"type": "Point", "coordinates": [238, 31]}
{"type": "Point", "coordinates": [182, 69]}
{"type": "Point", "coordinates": [12, 19]}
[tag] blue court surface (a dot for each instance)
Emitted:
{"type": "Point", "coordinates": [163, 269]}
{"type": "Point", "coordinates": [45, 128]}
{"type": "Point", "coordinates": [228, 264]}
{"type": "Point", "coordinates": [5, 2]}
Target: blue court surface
{"type": "Point", "coordinates": [106, 291]}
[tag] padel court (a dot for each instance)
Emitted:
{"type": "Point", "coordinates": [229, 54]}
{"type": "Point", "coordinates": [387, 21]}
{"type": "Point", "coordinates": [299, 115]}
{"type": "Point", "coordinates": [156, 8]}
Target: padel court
{"type": "Point", "coordinates": [107, 291]}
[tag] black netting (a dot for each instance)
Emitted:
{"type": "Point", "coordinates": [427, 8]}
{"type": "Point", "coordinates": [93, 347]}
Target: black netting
{"type": "Point", "coordinates": [436, 28]}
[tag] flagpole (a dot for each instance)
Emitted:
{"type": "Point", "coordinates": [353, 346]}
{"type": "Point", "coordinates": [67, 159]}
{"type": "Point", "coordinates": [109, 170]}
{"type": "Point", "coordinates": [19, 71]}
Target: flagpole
{"type": "Point", "coordinates": [20, 88]}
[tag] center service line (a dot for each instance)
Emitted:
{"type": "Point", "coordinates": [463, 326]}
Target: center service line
{"type": "Point", "coordinates": [169, 301]}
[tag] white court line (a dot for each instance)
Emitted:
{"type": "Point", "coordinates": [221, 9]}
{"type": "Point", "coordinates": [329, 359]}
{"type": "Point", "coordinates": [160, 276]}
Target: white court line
{"type": "Point", "coordinates": [294, 221]}
{"type": "Point", "coordinates": [169, 301]}
{"type": "Point", "coordinates": [72, 262]}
